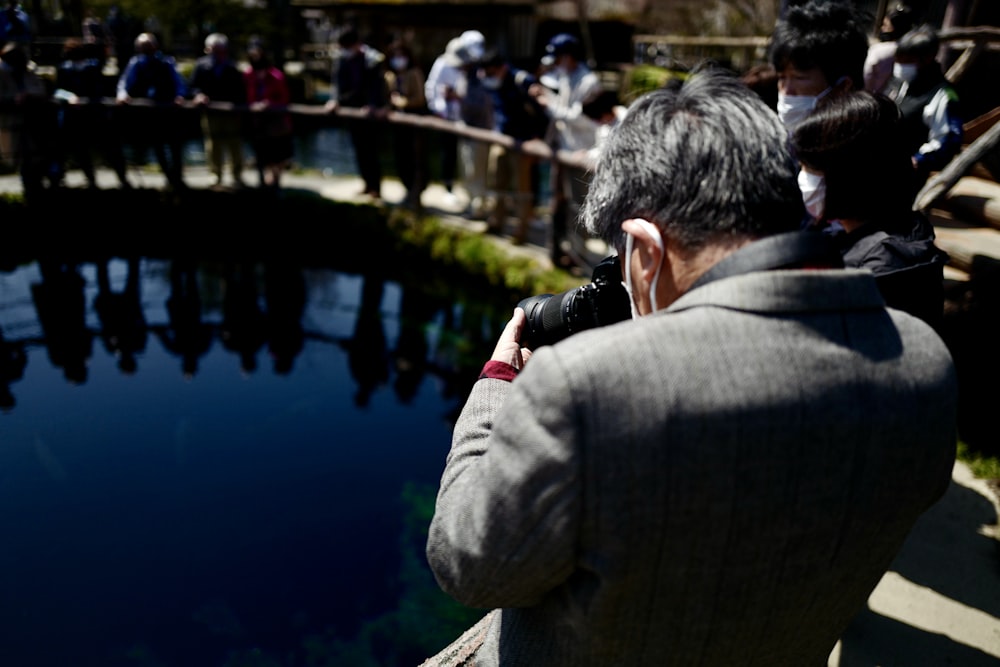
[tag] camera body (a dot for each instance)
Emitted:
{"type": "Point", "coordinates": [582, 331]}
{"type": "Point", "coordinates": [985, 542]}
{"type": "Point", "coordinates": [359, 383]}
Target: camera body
{"type": "Point", "coordinates": [553, 317]}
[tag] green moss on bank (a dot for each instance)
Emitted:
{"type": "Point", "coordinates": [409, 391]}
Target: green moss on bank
{"type": "Point", "coordinates": [473, 254]}
{"type": "Point", "coordinates": [981, 465]}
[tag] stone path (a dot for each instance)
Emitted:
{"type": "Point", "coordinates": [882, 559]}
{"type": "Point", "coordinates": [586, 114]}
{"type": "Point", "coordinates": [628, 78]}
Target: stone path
{"type": "Point", "coordinates": [939, 604]}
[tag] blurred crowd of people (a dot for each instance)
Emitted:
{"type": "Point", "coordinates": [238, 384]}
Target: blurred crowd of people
{"type": "Point", "coordinates": [821, 56]}
{"type": "Point", "coordinates": [47, 127]}
{"type": "Point", "coordinates": [560, 103]}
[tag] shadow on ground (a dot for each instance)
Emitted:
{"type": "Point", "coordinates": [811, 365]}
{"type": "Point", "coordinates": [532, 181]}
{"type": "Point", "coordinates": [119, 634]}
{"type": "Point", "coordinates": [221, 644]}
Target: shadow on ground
{"type": "Point", "coordinates": [950, 554]}
{"type": "Point", "coordinates": [876, 640]}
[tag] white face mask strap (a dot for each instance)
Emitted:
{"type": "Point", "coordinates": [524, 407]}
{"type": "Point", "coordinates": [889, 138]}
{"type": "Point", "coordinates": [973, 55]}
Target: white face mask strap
{"type": "Point", "coordinates": [627, 258]}
{"type": "Point", "coordinates": [813, 187]}
{"type": "Point", "coordinates": [654, 233]}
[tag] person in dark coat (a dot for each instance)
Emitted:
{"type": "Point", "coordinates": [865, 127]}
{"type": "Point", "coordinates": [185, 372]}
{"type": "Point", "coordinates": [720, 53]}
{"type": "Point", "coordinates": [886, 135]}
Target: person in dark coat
{"type": "Point", "coordinates": [359, 83]}
{"type": "Point", "coordinates": [85, 123]}
{"type": "Point", "coordinates": [722, 479]}
{"type": "Point", "coordinates": [856, 176]}
{"type": "Point", "coordinates": [217, 79]}
{"type": "Point", "coordinates": [517, 114]}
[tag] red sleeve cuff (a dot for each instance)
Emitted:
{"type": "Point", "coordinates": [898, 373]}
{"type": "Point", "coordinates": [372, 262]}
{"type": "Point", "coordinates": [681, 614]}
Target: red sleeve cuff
{"type": "Point", "coordinates": [498, 370]}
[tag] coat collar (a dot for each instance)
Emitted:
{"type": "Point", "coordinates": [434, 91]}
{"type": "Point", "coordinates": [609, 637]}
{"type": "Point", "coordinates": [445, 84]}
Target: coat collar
{"type": "Point", "coordinates": [787, 290]}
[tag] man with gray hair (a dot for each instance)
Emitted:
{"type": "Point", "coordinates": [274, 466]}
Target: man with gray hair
{"type": "Point", "coordinates": [722, 479]}
{"type": "Point", "coordinates": [217, 80]}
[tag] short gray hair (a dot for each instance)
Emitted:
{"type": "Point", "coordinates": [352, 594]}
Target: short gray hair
{"type": "Point", "coordinates": [707, 162]}
{"type": "Point", "coordinates": [216, 39]}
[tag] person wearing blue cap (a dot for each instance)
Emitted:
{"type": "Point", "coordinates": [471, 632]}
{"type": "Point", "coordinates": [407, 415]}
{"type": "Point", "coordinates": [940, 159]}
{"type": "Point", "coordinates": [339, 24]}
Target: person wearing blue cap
{"type": "Point", "coordinates": [576, 85]}
{"type": "Point", "coordinates": [570, 129]}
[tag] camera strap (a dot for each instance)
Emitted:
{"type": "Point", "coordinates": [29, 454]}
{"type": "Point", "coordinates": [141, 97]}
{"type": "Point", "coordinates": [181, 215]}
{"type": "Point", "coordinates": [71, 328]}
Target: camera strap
{"type": "Point", "coordinates": [791, 250]}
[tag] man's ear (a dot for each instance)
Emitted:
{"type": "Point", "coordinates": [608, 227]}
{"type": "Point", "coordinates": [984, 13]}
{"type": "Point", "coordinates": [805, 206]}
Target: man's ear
{"type": "Point", "coordinates": [648, 240]}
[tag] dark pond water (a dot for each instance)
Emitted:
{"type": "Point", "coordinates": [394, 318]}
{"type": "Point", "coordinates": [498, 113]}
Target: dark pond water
{"type": "Point", "coordinates": [323, 148]}
{"type": "Point", "coordinates": [207, 463]}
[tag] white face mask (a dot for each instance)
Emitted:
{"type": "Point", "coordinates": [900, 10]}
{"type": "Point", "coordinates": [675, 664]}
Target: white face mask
{"type": "Point", "coordinates": [793, 109]}
{"type": "Point", "coordinates": [905, 71]}
{"type": "Point", "coordinates": [629, 242]}
{"type": "Point", "coordinates": [813, 187]}
{"type": "Point", "coordinates": [399, 63]}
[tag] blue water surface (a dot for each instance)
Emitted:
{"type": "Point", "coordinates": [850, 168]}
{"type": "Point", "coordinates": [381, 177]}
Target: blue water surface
{"type": "Point", "coordinates": [225, 510]}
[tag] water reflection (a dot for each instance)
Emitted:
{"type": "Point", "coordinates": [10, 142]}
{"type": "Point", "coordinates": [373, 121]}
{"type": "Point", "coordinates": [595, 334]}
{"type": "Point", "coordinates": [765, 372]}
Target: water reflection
{"type": "Point", "coordinates": [242, 330]}
{"type": "Point", "coordinates": [12, 362]}
{"type": "Point", "coordinates": [185, 334]}
{"type": "Point", "coordinates": [285, 299]}
{"type": "Point", "coordinates": [60, 305]}
{"type": "Point", "coordinates": [169, 498]}
{"type": "Point", "coordinates": [366, 350]}
{"type": "Point", "coordinates": [123, 323]}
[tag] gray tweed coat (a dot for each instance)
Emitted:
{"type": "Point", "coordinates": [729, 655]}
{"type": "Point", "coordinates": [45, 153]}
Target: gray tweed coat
{"type": "Point", "coordinates": [722, 483]}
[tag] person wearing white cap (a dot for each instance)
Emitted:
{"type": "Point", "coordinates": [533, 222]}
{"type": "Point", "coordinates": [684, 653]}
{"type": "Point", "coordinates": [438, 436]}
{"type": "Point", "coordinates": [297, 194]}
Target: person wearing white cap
{"type": "Point", "coordinates": [474, 44]}
{"type": "Point", "coordinates": [445, 84]}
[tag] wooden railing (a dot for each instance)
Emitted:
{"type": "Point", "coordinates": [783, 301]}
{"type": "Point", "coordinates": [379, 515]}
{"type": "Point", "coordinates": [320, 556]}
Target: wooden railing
{"type": "Point", "coordinates": [743, 52]}
{"type": "Point", "coordinates": [982, 133]}
{"type": "Point", "coordinates": [973, 42]}
{"type": "Point", "coordinates": [576, 164]}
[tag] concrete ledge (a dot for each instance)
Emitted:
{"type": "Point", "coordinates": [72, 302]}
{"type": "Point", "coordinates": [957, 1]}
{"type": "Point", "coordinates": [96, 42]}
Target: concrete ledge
{"type": "Point", "coordinates": [974, 199]}
{"type": "Point", "coordinates": [963, 244]}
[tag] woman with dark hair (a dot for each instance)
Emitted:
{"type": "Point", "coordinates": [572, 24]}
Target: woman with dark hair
{"type": "Point", "coordinates": [271, 124]}
{"type": "Point", "coordinates": [856, 177]}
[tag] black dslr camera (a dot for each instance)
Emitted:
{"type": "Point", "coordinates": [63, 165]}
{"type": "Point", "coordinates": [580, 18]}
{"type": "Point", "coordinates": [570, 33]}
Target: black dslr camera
{"type": "Point", "coordinates": [554, 317]}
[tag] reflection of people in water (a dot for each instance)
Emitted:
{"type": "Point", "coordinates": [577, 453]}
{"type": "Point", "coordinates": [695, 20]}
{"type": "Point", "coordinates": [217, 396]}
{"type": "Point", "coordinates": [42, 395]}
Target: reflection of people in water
{"type": "Point", "coordinates": [123, 323]}
{"type": "Point", "coordinates": [12, 362]}
{"type": "Point", "coordinates": [187, 335]}
{"type": "Point", "coordinates": [416, 309]}
{"type": "Point", "coordinates": [366, 350]}
{"type": "Point", "coordinates": [285, 301]}
{"type": "Point", "coordinates": [465, 333]}
{"type": "Point", "coordinates": [61, 309]}
{"type": "Point", "coordinates": [242, 329]}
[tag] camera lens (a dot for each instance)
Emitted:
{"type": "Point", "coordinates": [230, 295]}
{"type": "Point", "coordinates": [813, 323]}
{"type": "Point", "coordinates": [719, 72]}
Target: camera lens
{"type": "Point", "coordinates": [546, 322]}
{"type": "Point", "coordinates": [552, 317]}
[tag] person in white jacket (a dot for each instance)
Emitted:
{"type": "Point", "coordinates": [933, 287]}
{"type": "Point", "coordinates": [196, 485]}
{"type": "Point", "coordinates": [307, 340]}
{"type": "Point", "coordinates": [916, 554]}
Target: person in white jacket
{"type": "Point", "coordinates": [570, 128]}
{"type": "Point", "coordinates": [443, 87]}
{"type": "Point", "coordinates": [577, 84]}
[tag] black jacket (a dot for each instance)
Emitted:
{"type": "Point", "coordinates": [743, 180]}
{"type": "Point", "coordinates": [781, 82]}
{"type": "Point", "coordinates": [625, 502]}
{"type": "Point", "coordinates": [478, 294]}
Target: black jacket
{"type": "Point", "coordinates": [221, 83]}
{"type": "Point", "coordinates": [908, 267]}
